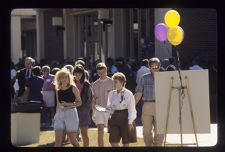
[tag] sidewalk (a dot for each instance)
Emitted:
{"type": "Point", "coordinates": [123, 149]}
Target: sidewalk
{"type": "Point", "coordinates": [203, 139]}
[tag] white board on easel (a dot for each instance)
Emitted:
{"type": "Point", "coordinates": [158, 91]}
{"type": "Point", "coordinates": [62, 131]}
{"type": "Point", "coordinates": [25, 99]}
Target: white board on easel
{"type": "Point", "coordinates": [199, 94]}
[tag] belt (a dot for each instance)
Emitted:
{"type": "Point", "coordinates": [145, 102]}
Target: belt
{"type": "Point", "coordinates": [118, 111]}
{"type": "Point", "coordinates": [69, 107]}
{"type": "Point", "coordinates": [149, 100]}
{"type": "Point", "coordinates": [33, 101]}
{"type": "Point", "coordinates": [48, 90]}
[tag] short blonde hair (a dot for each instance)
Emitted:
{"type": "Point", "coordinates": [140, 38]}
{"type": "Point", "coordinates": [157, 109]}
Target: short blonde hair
{"type": "Point", "coordinates": [61, 73]}
{"type": "Point", "coordinates": [119, 76]}
{"type": "Point", "coordinates": [101, 66]}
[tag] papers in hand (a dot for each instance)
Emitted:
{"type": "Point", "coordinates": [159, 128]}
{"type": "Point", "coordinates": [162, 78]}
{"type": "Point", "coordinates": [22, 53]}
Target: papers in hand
{"type": "Point", "coordinates": [103, 109]}
{"type": "Point", "coordinates": [100, 108]}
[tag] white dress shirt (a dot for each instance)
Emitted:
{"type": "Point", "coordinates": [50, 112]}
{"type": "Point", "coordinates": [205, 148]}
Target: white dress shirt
{"type": "Point", "coordinates": [123, 100]}
{"type": "Point", "coordinates": [195, 67]}
{"type": "Point", "coordinates": [16, 85]}
{"type": "Point", "coordinates": [13, 73]}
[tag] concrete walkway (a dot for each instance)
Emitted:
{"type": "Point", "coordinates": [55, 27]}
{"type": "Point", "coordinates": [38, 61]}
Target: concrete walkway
{"type": "Point", "coordinates": [204, 140]}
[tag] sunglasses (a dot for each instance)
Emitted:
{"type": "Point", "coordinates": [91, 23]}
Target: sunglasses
{"type": "Point", "coordinates": [154, 67]}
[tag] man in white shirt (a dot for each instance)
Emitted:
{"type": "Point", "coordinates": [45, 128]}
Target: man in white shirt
{"type": "Point", "coordinates": [143, 70]}
{"type": "Point", "coordinates": [13, 79]}
{"type": "Point", "coordinates": [195, 65]}
{"type": "Point", "coordinates": [167, 65]}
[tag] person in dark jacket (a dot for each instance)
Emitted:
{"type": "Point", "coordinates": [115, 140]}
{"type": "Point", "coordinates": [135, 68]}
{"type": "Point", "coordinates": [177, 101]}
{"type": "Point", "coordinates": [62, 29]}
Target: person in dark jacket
{"type": "Point", "coordinates": [86, 96]}
{"type": "Point", "coordinates": [34, 87]}
{"type": "Point", "coordinates": [21, 78]}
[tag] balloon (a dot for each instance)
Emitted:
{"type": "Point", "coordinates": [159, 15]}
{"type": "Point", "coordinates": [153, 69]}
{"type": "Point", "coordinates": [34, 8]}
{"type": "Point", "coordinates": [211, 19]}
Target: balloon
{"type": "Point", "coordinates": [172, 18]}
{"type": "Point", "coordinates": [161, 32]}
{"type": "Point", "coordinates": [175, 35]}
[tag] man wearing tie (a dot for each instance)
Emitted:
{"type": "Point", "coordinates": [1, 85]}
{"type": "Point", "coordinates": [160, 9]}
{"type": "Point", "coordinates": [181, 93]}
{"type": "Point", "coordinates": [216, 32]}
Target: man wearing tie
{"type": "Point", "coordinates": [22, 77]}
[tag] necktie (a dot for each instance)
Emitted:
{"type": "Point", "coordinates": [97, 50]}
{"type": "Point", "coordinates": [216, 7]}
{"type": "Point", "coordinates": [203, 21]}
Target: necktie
{"type": "Point", "coordinates": [27, 73]}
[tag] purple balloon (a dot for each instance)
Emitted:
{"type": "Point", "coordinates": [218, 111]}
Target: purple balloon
{"type": "Point", "coordinates": [161, 32]}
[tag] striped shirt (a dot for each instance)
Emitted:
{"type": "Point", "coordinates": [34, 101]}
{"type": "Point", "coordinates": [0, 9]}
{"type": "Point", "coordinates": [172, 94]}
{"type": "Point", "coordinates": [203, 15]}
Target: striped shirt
{"type": "Point", "coordinates": [147, 87]}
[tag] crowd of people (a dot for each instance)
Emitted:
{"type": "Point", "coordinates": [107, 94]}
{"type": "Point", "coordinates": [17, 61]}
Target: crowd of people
{"type": "Point", "coordinates": [69, 95]}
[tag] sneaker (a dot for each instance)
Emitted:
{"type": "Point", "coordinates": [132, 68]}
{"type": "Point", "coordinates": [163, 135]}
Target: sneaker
{"type": "Point", "coordinates": [79, 139]}
{"type": "Point", "coordinates": [66, 141]}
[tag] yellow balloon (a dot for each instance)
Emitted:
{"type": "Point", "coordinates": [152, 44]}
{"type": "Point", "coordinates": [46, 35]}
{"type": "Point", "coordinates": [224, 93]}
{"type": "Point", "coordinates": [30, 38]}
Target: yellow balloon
{"type": "Point", "coordinates": [172, 18]}
{"type": "Point", "coordinates": [175, 35]}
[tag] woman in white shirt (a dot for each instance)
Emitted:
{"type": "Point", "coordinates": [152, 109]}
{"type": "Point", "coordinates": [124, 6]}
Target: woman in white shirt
{"type": "Point", "coordinates": [121, 102]}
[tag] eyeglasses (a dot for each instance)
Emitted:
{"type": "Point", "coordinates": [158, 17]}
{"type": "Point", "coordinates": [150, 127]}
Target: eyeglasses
{"type": "Point", "coordinates": [154, 67]}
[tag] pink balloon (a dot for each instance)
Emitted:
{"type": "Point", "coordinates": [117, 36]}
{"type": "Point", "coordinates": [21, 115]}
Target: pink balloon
{"type": "Point", "coordinates": [161, 32]}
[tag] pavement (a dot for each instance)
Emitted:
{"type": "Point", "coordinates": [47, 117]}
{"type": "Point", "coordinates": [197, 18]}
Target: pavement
{"type": "Point", "coordinates": [204, 140]}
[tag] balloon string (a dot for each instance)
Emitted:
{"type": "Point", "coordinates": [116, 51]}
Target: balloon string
{"type": "Point", "coordinates": [178, 68]}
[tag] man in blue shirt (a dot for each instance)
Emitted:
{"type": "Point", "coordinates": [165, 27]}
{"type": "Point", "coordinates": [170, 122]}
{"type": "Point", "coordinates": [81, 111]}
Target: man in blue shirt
{"type": "Point", "coordinates": [146, 90]}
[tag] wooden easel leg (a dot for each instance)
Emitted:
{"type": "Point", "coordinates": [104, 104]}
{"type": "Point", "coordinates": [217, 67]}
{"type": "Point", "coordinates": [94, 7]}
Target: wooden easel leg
{"type": "Point", "coordinates": [190, 107]}
{"type": "Point", "coordinates": [180, 117]}
{"type": "Point", "coordinates": [168, 110]}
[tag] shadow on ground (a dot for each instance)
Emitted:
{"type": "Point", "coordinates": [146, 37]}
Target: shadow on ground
{"type": "Point", "coordinates": [47, 145]}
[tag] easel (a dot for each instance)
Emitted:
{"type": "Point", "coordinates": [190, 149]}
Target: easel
{"type": "Point", "coordinates": [181, 90]}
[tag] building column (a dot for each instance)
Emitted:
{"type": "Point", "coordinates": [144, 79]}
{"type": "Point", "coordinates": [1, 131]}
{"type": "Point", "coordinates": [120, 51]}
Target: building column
{"type": "Point", "coordinates": [40, 35]}
{"type": "Point", "coordinates": [70, 40]}
{"type": "Point", "coordinates": [118, 30]}
{"type": "Point", "coordinates": [16, 50]}
{"type": "Point", "coordinates": [162, 49]}
{"type": "Point", "coordinates": [110, 35]}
